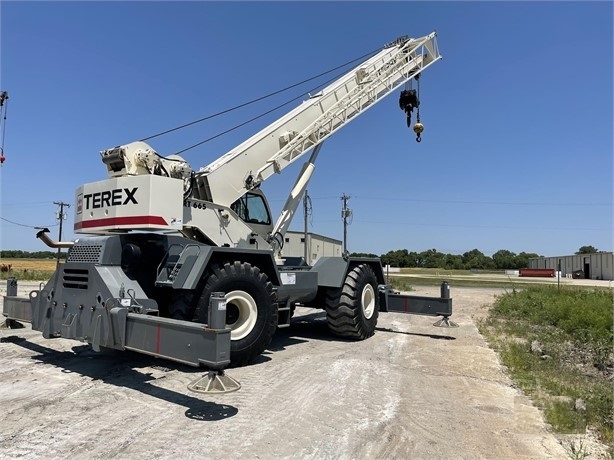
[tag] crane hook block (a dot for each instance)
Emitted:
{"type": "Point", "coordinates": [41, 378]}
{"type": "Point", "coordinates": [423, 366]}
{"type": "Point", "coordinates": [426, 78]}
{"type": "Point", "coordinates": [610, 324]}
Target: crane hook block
{"type": "Point", "coordinates": [408, 100]}
{"type": "Point", "coordinates": [418, 129]}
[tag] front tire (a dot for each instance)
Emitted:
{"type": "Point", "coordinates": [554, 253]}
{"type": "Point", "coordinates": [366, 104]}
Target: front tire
{"type": "Point", "coordinates": [251, 308]}
{"type": "Point", "coordinates": [352, 311]}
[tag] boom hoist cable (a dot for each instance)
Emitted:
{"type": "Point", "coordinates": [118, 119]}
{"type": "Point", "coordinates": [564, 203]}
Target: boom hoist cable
{"type": "Point", "coordinates": [4, 97]}
{"type": "Point", "coordinates": [215, 136]}
{"type": "Point", "coordinates": [258, 99]}
{"type": "Point", "coordinates": [410, 100]}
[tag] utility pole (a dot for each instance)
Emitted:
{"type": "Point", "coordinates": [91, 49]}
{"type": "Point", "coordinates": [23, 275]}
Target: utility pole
{"type": "Point", "coordinates": [307, 211]}
{"type": "Point", "coordinates": [346, 214]}
{"type": "Point", "coordinates": [60, 216]}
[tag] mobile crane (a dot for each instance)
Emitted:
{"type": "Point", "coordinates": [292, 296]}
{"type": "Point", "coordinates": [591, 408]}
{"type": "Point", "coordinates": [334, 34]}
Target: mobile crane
{"type": "Point", "coordinates": [188, 265]}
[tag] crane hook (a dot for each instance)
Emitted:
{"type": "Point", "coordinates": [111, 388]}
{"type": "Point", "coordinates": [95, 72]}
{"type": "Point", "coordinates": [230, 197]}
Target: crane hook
{"type": "Point", "coordinates": [418, 129]}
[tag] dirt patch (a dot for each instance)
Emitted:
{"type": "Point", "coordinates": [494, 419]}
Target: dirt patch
{"type": "Point", "coordinates": [410, 391]}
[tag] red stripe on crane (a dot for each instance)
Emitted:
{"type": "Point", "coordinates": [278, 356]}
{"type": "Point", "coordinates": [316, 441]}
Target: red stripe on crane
{"type": "Point", "coordinates": [115, 221]}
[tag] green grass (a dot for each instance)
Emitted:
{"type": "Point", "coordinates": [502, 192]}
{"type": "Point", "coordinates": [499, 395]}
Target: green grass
{"type": "Point", "coordinates": [30, 275]}
{"type": "Point", "coordinates": [574, 328]}
{"type": "Point", "coordinates": [430, 281]}
{"type": "Point", "coordinates": [449, 272]}
{"type": "Point", "coordinates": [400, 284]}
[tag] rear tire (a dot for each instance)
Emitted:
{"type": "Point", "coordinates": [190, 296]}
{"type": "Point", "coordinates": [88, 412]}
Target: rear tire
{"type": "Point", "coordinates": [352, 311]}
{"type": "Point", "coordinates": [251, 308]}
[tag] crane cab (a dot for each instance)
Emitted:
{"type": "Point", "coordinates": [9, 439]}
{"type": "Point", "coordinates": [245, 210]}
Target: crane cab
{"type": "Point", "coordinates": [253, 209]}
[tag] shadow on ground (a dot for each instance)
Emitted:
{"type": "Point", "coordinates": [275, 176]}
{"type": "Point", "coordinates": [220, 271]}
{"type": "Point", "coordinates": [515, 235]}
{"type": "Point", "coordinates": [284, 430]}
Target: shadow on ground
{"type": "Point", "coordinates": [118, 368]}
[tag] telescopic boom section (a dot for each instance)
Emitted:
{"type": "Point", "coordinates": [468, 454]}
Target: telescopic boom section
{"type": "Point", "coordinates": [290, 137]}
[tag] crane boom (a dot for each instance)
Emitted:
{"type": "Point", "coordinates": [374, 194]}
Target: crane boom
{"type": "Point", "coordinates": [212, 205]}
{"type": "Point", "coordinates": [290, 137]}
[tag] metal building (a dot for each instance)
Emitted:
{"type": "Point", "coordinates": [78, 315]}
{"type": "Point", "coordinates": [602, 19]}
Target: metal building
{"type": "Point", "coordinates": [598, 266]}
{"type": "Point", "coordinates": [317, 246]}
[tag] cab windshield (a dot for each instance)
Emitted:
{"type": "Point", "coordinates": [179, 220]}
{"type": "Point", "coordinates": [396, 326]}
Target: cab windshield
{"type": "Point", "coordinates": [252, 209]}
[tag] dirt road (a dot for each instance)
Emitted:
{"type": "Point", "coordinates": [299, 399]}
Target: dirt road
{"type": "Point", "coordinates": [411, 391]}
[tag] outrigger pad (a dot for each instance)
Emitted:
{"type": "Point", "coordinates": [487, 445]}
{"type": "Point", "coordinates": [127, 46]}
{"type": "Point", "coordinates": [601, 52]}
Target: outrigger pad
{"type": "Point", "coordinates": [214, 382]}
{"type": "Point", "coordinates": [445, 322]}
{"type": "Point", "coordinates": [11, 324]}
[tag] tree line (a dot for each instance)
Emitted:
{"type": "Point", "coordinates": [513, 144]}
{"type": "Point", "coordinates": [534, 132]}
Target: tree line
{"type": "Point", "coordinates": [474, 259]}
{"type": "Point", "coordinates": [18, 254]}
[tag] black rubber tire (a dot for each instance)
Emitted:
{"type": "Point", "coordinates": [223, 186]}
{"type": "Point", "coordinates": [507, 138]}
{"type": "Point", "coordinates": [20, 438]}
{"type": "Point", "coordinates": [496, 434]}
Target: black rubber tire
{"type": "Point", "coordinates": [346, 315]}
{"type": "Point", "coordinates": [253, 294]}
{"type": "Point", "coordinates": [319, 301]}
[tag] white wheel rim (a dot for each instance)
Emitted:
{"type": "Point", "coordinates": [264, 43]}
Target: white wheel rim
{"type": "Point", "coordinates": [367, 300]}
{"type": "Point", "coordinates": [248, 313]}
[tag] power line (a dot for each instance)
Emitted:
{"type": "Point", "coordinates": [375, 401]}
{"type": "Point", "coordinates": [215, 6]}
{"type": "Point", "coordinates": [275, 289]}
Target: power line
{"type": "Point", "coordinates": [28, 226]}
{"type": "Point", "coordinates": [27, 204]}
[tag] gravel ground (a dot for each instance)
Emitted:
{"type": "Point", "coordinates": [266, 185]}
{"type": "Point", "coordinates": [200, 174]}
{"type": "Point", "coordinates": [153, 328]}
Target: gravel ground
{"type": "Point", "coordinates": [410, 391]}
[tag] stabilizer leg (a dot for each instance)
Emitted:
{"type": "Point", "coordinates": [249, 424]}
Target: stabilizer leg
{"type": "Point", "coordinates": [214, 382]}
{"type": "Point", "coordinates": [445, 322]}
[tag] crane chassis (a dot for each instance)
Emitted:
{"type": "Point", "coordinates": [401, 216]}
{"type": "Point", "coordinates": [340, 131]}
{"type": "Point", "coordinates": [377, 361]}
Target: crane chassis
{"type": "Point", "coordinates": [188, 265]}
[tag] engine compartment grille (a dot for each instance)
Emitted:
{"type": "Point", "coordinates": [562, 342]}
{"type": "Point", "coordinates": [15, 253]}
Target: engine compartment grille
{"type": "Point", "coordinates": [89, 253]}
{"type": "Point", "coordinates": [75, 278]}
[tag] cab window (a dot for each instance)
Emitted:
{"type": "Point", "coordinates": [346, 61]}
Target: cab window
{"type": "Point", "coordinates": [252, 209]}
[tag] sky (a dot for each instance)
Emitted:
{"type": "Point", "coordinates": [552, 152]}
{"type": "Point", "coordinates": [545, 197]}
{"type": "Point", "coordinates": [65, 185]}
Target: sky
{"type": "Point", "coordinates": [517, 151]}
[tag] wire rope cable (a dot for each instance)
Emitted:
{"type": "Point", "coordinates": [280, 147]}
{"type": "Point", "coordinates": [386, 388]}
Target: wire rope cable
{"type": "Point", "coordinates": [257, 117]}
{"type": "Point", "coordinates": [208, 117]}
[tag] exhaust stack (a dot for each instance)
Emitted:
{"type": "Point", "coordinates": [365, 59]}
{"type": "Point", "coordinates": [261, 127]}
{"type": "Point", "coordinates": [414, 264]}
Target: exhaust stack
{"type": "Point", "coordinates": [53, 244]}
